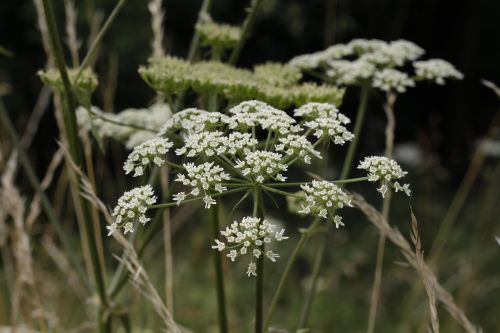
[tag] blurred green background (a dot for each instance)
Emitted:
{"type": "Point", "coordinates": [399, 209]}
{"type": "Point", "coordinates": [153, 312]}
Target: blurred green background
{"type": "Point", "coordinates": [437, 131]}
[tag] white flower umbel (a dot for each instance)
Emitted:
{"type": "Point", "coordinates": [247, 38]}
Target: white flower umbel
{"type": "Point", "coordinates": [387, 172]}
{"type": "Point", "coordinates": [323, 198]}
{"type": "Point", "coordinates": [262, 165]}
{"type": "Point", "coordinates": [247, 238]}
{"type": "Point", "coordinates": [254, 113]}
{"type": "Point", "coordinates": [436, 70]}
{"type": "Point", "coordinates": [346, 72]}
{"type": "Point", "coordinates": [131, 208]}
{"type": "Point", "coordinates": [206, 143]}
{"type": "Point", "coordinates": [319, 110]}
{"type": "Point", "coordinates": [237, 142]}
{"type": "Point", "coordinates": [330, 127]}
{"type": "Point", "coordinates": [297, 146]}
{"type": "Point", "coordinates": [151, 151]}
{"type": "Point", "coordinates": [205, 179]}
{"type": "Point", "coordinates": [193, 120]}
{"type": "Point", "coordinates": [392, 80]}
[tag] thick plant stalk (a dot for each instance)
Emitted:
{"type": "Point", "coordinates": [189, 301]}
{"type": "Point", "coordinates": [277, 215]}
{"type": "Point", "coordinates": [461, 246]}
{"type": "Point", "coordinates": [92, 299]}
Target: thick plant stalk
{"type": "Point", "coordinates": [346, 168]}
{"type": "Point", "coordinates": [219, 274]}
{"type": "Point", "coordinates": [258, 211]}
{"type": "Point", "coordinates": [71, 129]}
{"type": "Point", "coordinates": [246, 31]}
{"type": "Point", "coordinates": [389, 148]}
{"type": "Point", "coordinates": [167, 239]}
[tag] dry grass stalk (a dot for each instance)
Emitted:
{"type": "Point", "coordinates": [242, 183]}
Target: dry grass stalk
{"type": "Point", "coordinates": [415, 261]}
{"type": "Point", "coordinates": [140, 278]}
{"type": "Point", "coordinates": [415, 237]}
{"type": "Point", "coordinates": [157, 15]}
{"type": "Point", "coordinates": [72, 40]}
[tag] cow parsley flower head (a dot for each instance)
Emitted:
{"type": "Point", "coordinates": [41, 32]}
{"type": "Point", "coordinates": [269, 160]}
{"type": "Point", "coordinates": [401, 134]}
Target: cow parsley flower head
{"type": "Point", "coordinates": [254, 113]}
{"type": "Point", "coordinates": [346, 72]}
{"type": "Point", "coordinates": [315, 110]}
{"type": "Point", "coordinates": [330, 128]}
{"type": "Point", "coordinates": [387, 172]}
{"type": "Point", "coordinates": [193, 120]}
{"type": "Point", "coordinates": [361, 45]}
{"type": "Point", "coordinates": [206, 143]}
{"type": "Point", "coordinates": [323, 198]}
{"type": "Point", "coordinates": [151, 151]}
{"type": "Point", "coordinates": [131, 208]}
{"type": "Point", "coordinates": [262, 165]}
{"type": "Point", "coordinates": [248, 238]}
{"type": "Point", "coordinates": [390, 79]}
{"type": "Point", "coordinates": [436, 70]}
{"type": "Point", "coordinates": [297, 146]}
{"type": "Point", "coordinates": [205, 179]}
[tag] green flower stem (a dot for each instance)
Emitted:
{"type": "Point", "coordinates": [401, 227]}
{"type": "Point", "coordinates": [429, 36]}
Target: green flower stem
{"type": "Point", "coordinates": [289, 264]}
{"type": "Point", "coordinates": [365, 92]}
{"type": "Point", "coordinates": [195, 41]}
{"type": "Point", "coordinates": [287, 194]}
{"type": "Point", "coordinates": [97, 40]}
{"type": "Point", "coordinates": [360, 116]}
{"type": "Point", "coordinates": [389, 147]}
{"type": "Point", "coordinates": [71, 131]}
{"type": "Point", "coordinates": [46, 205]}
{"type": "Point", "coordinates": [343, 181]}
{"type": "Point", "coordinates": [258, 211]}
{"type": "Point", "coordinates": [172, 204]}
{"type": "Point", "coordinates": [245, 31]}
{"type": "Point", "coordinates": [219, 274]}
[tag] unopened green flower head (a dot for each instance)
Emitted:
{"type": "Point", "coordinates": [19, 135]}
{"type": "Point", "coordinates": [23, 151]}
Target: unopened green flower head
{"type": "Point", "coordinates": [276, 74]}
{"type": "Point", "coordinates": [87, 81]}
{"type": "Point", "coordinates": [249, 237]}
{"type": "Point", "coordinates": [218, 36]}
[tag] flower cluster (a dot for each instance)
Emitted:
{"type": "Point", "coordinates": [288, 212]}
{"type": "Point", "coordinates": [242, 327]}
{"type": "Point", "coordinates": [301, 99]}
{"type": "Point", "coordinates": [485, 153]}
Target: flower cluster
{"type": "Point", "coordinates": [252, 113]}
{"type": "Point", "coordinates": [319, 110]}
{"type": "Point", "coordinates": [330, 127]}
{"type": "Point", "coordinates": [297, 145]}
{"type": "Point", "coordinates": [151, 151]}
{"type": "Point", "coordinates": [323, 198]}
{"type": "Point", "coordinates": [387, 172]}
{"type": "Point", "coordinates": [205, 142]}
{"type": "Point", "coordinates": [436, 70]}
{"type": "Point", "coordinates": [249, 237]}
{"type": "Point", "coordinates": [262, 165]}
{"type": "Point", "coordinates": [170, 75]}
{"type": "Point", "coordinates": [204, 178]}
{"type": "Point", "coordinates": [346, 72]}
{"type": "Point", "coordinates": [193, 120]}
{"type": "Point", "coordinates": [374, 62]}
{"type": "Point", "coordinates": [390, 79]}
{"type": "Point", "coordinates": [132, 207]}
